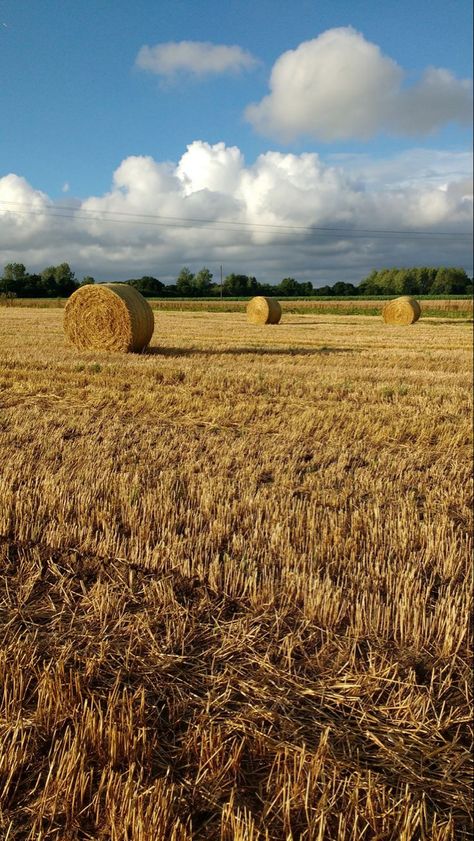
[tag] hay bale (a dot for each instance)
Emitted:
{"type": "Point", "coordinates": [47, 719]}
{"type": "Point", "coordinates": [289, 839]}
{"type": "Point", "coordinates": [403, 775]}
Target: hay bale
{"type": "Point", "coordinates": [401, 311]}
{"type": "Point", "coordinates": [261, 310]}
{"type": "Point", "coordinates": [109, 316]}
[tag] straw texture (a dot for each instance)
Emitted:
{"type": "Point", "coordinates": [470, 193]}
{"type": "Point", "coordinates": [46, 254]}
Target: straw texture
{"type": "Point", "coordinates": [109, 316]}
{"type": "Point", "coordinates": [261, 310]}
{"type": "Point", "coordinates": [401, 311]}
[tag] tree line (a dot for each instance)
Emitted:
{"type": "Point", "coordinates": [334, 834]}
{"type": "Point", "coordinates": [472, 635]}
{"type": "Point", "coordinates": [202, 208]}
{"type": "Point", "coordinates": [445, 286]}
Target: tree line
{"type": "Point", "coordinates": [60, 281]}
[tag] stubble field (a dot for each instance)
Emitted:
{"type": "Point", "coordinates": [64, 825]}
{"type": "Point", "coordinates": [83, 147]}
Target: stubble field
{"type": "Point", "coordinates": [235, 581]}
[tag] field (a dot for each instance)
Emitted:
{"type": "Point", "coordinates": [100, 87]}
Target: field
{"type": "Point", "coordinates": [453, 307]}
{"type": "Point", "coordinates": [235, 581]}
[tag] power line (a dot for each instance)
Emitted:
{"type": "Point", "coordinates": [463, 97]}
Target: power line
{"type": "Point", "coordinates": [90, 215]}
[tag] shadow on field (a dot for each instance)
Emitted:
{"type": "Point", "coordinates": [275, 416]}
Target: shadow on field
{"type": "Point", "coordinates": [319, 323]}
{"type": "Point", "coordinates": [299, 323]}
{"type": "Point", "coordinates": [433, 320]}
{"type": "Point", "coordinates": [244, 351]}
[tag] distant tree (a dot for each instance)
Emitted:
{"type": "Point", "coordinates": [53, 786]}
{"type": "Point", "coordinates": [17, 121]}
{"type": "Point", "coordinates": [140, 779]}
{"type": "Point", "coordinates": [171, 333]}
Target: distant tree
{"type": "Point", "coordinates": [32, 287]}
{"type": "Point", "coordinates": [288, 286]}
{"type": "Point", "coordinates": [419, 280]}
{"type": "Point", "coordinates": [14, 278]}
{"type": "Point", "coordinates": [425, 276]}
{"type": "Point", "coordinates": [57, 281]}
{"type": "Point", "coordinates": [252, 286]}
{"type": "Point", "coordinates": [340, 288]}
{"type": "Point", "coordinates": [202, 282]}
{"type": "Point", "coordinates": [65, 279]}
{"type": "Point", "coordinates": [370, 285]}
{"type": "Point", "coordinates": [48, 282]}
{"type": "Point", "coordinates": [87, 280]}
{"type": "Point", "coordinates": [267, 289]}
{"type": "Point", "coordinates": [323, 291]}
{"type": "Point", "coordinates": [240, 284]}
{"type": "Point", "coordinates": [184, 283]}
{"type": "Point", "coordinates": [148, 286]}
{"type": "Point", "coordinates": [450, 281]}
{"type": "Point", "coordinates": [403, 282]}
{"type": "Point", "coordinates": [14, 272]}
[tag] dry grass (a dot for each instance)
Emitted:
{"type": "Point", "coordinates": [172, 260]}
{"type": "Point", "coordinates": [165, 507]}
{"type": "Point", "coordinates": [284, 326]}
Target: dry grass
{"type": "Point", "coordinates": [432, 308]}
{"type": "Point", "coordinates": [234, 588]}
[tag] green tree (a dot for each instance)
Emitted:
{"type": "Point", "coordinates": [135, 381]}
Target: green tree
{"type": "Point", "coordinates": [65, 279]}
{"type": "Point", "coordinates": [148, 286]}
{"type": "Point", "coordinates": [14, 278]}
{"type": "Point", "coordinates": [424, 278]}
{"type": "Point", "coordinates": [371, 284]}
{"type": "Point", "coordinates": [184, 283]}
{"type": "Point", "coordinates": [288, 286]}
{"type": "Point", "coordinates": [57, 281]}
{"type": "Point", "coordinates": [340, 288]}
{"type": "Point", "coordinates": [450, 281]}
{"type": "Point", "coordinates": [323, 291]}
{"type": "Point", "coordinates": [240, 284]}
{"type": "Point", "coordinates": [405, 282]}
{"type": "Point", "coordinates": [87, 280]}
{"type": "Point", "coordinates": [48, 282]}
{"type": "Point", "coordinates": [202, 282]}
{"type": "Point", "coordinates": [15, 272]}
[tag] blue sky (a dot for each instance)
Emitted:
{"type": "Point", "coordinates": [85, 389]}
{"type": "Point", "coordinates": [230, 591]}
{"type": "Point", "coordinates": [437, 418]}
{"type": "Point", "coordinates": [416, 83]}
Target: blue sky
{"type": "Point", "coordinates": [75, 104]}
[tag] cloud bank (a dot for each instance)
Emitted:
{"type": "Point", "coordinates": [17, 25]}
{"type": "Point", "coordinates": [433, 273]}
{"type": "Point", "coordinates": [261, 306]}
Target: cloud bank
{"type": "Point", "coordinates": [196, 58]}
{"type": "Point", "coordinates": [339, 86]}
{"type": "Point", "coordinates": [139, 226]}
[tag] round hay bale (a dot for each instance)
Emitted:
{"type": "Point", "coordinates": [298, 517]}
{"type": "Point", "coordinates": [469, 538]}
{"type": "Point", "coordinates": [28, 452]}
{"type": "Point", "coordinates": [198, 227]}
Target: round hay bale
{"type": "Point", "coordinates": [401, 311]}
{"type": "Point", "coordinates": [109, 316]}
{"type": "Point", "coordinates": [262, 310]}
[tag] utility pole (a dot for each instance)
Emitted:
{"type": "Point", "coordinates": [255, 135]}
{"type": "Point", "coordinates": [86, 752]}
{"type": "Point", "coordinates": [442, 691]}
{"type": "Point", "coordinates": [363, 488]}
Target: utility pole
{"type": "Point", "coordinates": [221, 282]}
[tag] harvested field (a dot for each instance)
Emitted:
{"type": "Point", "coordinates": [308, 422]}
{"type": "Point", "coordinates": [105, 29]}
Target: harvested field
{"type": "Point", "coordinates": [431, 307]}
{"type": "Point", "coordinates": [235, 581]}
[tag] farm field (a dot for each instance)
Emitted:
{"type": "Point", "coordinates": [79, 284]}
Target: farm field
{"type": "Point", "coordinates": [235, 581]}
{"type": "Point", "coordinates": [453, 307]}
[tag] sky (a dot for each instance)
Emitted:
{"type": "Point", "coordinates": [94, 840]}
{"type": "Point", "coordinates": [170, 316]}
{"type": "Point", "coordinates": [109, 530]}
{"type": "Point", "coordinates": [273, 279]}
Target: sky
{"type": "Point", "coordinates": [317, 140]}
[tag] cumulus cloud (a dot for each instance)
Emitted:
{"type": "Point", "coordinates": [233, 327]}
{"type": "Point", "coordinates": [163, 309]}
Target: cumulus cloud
{"type": "Point", "coordinates": [416, 167]}
{"type": "Point", "coordinates": [282, 215]}
{"type": "Point", "coordinates": [198, 58]}
{"type": "Point", "coordinates": [339, 86]}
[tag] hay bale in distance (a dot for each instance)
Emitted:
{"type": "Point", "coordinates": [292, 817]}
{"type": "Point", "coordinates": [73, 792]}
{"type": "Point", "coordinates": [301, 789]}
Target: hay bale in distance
{"type": "Point", "coordinates": [262, 310]}
{"type": "Point", "coordinates": [109, 316]}
{"type": "Point", "coordinates": [401, 311]}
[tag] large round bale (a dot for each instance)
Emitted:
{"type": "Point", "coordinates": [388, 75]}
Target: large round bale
{"type": "Point", "coordinates": [262, 310]}
{"type": "Point", "coordinates": [401, 311]}
{"type": "Point", "coordinates": [109, 316]}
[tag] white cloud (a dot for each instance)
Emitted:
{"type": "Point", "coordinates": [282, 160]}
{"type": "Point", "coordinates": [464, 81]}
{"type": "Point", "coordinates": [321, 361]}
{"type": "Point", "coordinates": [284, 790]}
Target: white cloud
{"type": "Point", "coordinates": [199, 58]}
{"type": "Point", "coordinates": [22, 213]}
{"type": "Point", "coordinates": [65, 188]}
{"type": "Point", "coordinates": [339, 86]}
{"type": "Point", "coordinates": [137, 227]}
{"type": "Point", "coordinates": [416, 167]}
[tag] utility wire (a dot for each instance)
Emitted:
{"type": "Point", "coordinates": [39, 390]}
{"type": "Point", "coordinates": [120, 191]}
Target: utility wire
{"type": "Point", "coordinates": [90, 215]}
